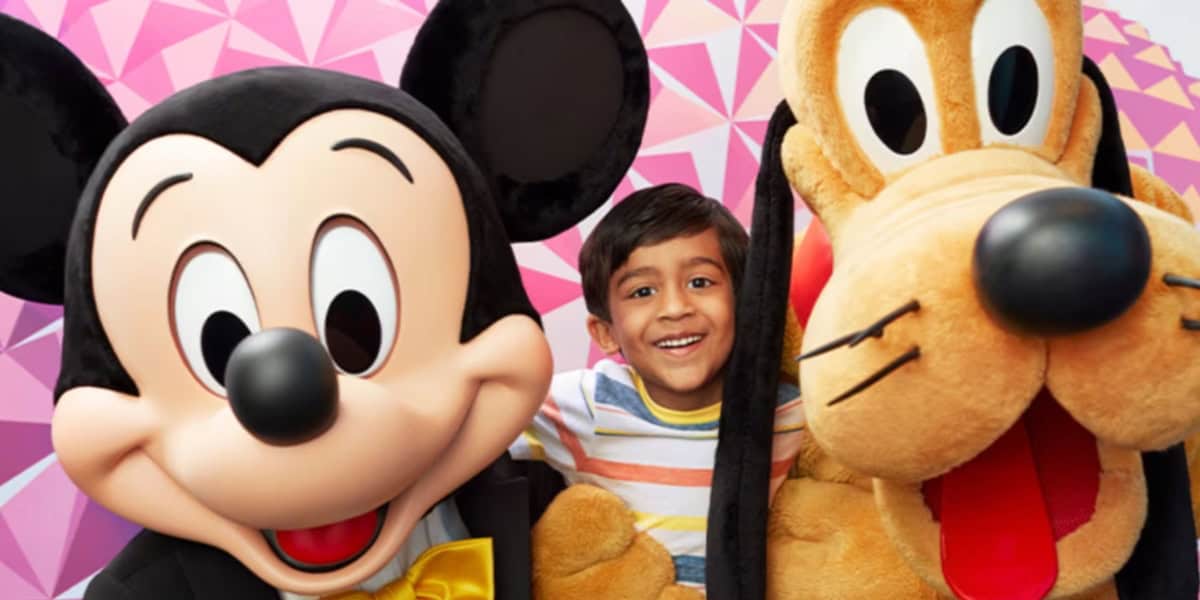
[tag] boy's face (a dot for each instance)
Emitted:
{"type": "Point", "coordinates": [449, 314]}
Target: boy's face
{"type": "Point", "coordinates": [672, 309]}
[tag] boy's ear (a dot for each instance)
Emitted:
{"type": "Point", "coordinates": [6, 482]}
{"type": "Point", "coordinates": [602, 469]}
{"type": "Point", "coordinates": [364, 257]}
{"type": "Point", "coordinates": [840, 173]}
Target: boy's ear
{"type": "Point", "coordinates": [601, 332]}
{"type": "Point", "coordinates": [548, 96]}
{"type": "Point", "coordinates": [56, 120]}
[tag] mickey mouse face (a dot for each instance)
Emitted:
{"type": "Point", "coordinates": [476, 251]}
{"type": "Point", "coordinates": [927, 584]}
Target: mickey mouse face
{"type": "Point", "coordinates": [292, 307]}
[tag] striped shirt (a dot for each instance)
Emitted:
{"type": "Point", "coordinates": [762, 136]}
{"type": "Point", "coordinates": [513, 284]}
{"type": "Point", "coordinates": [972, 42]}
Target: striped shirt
{"type": "Point", "coordinates": [599, 426]}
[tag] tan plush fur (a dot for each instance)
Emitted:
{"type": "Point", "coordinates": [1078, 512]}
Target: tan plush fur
{"type": "Point", "coordinates": [585, 546]}
{"type": "Point", "coordinates": [909, 235]}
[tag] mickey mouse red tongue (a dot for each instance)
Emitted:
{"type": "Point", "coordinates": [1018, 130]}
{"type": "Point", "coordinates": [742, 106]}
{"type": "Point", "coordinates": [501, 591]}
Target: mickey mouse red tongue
{"type": "Point", "coordinates": [1002, 513]}
{"type": "Point", "coordinates": [330, 546]}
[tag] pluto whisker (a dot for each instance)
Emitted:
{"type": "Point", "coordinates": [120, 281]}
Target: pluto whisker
{"type": "Point", "coordinates": [913, 354]}
{"type": "Point", "coordinates": [853, 339]}
{"type": "Point", "coordinates": [1181, 281]}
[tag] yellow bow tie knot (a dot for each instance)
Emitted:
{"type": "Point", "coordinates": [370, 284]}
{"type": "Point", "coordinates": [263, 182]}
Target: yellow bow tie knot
{"type": "Point", "coordinates": [460, 570]}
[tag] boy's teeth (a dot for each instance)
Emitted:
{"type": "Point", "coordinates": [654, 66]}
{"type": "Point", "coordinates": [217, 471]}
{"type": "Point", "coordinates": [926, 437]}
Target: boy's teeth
{"type": "Point", "coordinates": [679, 343]}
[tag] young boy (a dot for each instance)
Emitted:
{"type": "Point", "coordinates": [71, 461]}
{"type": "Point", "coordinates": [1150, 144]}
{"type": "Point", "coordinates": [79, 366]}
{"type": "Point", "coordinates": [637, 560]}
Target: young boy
{"type": "Point", "coordinates": [660, 273]}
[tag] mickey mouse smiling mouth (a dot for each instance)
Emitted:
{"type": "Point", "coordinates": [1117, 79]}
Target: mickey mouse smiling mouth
{"type": "Point", "coordinates": [328, 547]}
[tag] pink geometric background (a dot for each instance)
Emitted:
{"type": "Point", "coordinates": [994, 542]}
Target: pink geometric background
{"type": "Point", "coordinates": [714, 85]}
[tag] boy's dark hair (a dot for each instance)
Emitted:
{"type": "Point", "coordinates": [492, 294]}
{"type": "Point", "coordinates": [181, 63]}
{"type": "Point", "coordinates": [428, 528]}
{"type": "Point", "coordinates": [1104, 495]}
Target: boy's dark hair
{"type": "Point", "coordinates": [651, 216]}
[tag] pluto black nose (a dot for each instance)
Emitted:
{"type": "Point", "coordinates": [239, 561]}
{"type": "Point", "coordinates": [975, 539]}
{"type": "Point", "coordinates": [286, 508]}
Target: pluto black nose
{"type": "Point", "coordinates": [282, 386]}
{"type": "Point", "coordinates": [1062, 261]}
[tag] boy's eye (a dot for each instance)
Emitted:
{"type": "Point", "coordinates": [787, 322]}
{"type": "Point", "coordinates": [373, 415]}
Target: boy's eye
{"type": "Point", "coordinates": [642, 292]}
{"type": "Point", "coordinates": [700, 282]}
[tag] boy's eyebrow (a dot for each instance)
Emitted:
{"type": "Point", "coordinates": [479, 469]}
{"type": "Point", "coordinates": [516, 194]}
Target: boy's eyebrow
{"type": "Point", "coordinates": [704, 260]}
{"type": "Point", "coordinates": [635, 273]}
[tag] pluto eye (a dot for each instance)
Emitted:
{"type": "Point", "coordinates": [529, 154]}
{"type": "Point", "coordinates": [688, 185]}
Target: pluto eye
{"type": "Point", "coordinates": [886, 90]}
{"type": "Point", "coordinates": [354, 297]}
{"type": "Point", "coordinates": [1013, 55]}
{"type": "Point", "coordinates": [213, 310]}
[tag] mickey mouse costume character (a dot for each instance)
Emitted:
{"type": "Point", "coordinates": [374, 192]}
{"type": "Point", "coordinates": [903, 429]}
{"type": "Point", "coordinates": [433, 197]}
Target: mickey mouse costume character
{"type": "Point", "coordinates": [296, 341]}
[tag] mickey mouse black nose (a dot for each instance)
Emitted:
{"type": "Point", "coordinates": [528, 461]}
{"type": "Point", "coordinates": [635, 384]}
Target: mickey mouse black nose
{"type": "Point", "coordinates": [1062, 261]}
{"type": "Point", "coordinates": [282, 386]}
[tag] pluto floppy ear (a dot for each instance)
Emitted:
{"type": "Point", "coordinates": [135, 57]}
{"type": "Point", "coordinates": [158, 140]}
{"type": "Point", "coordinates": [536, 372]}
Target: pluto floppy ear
{"type": "Point", "coordinates": [1110, 171]}
{"type": "Point", "coordinates": [56, 120]}
{"type": "Point", "coordinates": [737, 515]}
{"type": "Point", "coordinates": [548, 96]}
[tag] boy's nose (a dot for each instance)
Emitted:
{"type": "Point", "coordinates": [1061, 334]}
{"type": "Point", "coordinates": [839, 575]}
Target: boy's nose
{"type": "Point", "coordinates": [676, 304]}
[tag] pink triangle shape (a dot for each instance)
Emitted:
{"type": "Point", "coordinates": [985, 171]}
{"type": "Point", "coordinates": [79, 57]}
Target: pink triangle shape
{"type": "Point", "coordinates": [672, 116]}
{"type": "Point", "coordinates": [767, 33]}
{"type": "Point", "coordinates": [24, 445]}
{"type": "Point", "coordinates": [232, 61]}
{"type": "Point", "coordinates": [151, 80]}
{"type": "Point", "coordinates": [25, 399]}
{"type": "Point", "coordinates": [752, 62]}
{"type": "Point", "coordinates": [33, 317]}
{"type": "Point", "coordinates": [10, 313]}
{"type": "Point", "coordinates": [756, 129]}
{"type": "Point", "coordinates": [417, 5]}
{"type": "Point", "coordinates": [359, 23]}
{"type": "Point", "coordinates": [692, 66]}
{"type": "Point", "coordinates": [119, 23]}
{"type": "Point", "coordinates": [741, 167]}
{"type": "Point", "coordinates": [16, 574]}
{"type": "Point", "coordinates": [624, 189]}
{"type": "Point", "coordinates": [83, 38]}
{"type": "Point", "coordinates": [98, 536]}
{"type": "Point", "coordinates": [193, 60]}
{"type": "Point", "coordinates": [546, 291]}
{"type": "Point", "coordinates": [272, 19]}
{"type": "Point", "coordinates": [654, 10]}
{"type": "Point", "coordinates": [362, 64]}
{"type": "Point", "coordinates": [566, 245]}
{"type": "Point", "coordinates": [166, 25]}
{"type": "Point", "coordinates": [656, 86]}
{"type": "Point", "coordinates": [35, 516]}
{"type": "Point", "coordinates": [744, 212]}
{"type": "Point", "coordinates": [41, 357]}
{"type": "Point", "coordinates": [667, 168]}
{"type": "Point", "coordinates": [217, 5]}
{"type": "Point", "coordinates": [726, 6]}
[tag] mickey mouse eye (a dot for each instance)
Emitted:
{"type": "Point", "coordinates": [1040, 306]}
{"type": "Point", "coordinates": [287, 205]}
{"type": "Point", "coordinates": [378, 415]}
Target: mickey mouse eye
{"type": "Point", "coordinates": [213, 310]}
{"type": "Point", "coordinates": [885, 87]}
{"type": "Point", "coordinates": [1013, 55]}
{"type": "Point", "coordinates": [354, 296]}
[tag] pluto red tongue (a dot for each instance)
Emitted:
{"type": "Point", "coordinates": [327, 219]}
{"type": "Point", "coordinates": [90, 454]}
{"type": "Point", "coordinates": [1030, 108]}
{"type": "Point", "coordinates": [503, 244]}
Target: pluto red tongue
{"type": "Point", "coordinates": [997, 542]}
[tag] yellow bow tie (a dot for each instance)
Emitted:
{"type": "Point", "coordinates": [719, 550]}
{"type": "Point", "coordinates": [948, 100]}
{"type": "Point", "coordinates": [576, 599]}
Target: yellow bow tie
{"type": "Point", "coordinates": [459, 570]}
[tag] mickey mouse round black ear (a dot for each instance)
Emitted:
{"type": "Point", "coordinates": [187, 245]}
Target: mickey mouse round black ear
{"type": "Point", "coordinates": [56, 120]}
{"type": "Point", "coordinates": [548, 96]}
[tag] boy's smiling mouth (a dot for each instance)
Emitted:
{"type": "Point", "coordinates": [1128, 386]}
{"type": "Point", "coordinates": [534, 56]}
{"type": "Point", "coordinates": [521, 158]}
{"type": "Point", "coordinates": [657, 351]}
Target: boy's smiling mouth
{"type": "Point", "coordinates": [679, 344]}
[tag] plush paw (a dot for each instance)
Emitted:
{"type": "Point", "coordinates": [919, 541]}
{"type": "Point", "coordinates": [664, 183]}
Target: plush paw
{"type": "Point", "coordinates": [585, 546]}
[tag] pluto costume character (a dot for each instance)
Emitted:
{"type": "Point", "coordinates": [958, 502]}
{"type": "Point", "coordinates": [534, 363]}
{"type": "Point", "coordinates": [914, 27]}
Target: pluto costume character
{"type": "Point", "coordinates": [1001, 327]}
{"type": "Point", "coordinates": [1000, 332]}
{"type": "Point", "coordinates": [296, 342]}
